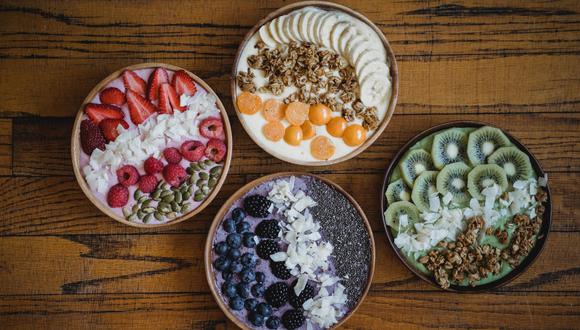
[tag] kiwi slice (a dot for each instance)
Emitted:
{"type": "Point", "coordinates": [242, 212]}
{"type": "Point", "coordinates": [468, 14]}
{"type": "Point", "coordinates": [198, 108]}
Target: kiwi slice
{"type": "Point", "coordinates": [449, 147]}
{"type": "Point", "coordinates": [414, 163]}
{"type": "Point", "coordinates": [398, 191]}
{"type": "Point", "coordinates": [514, 162]}
{"type": "Point", "coordinates": [396, 210]}
{"type": "Point", "coordinates": [425, 185]}
{"type": "Point", "coordinates": [483, 176]}
{"type": "Point", "coordinates": [483, 142]}
{"type": "Point", "coordinates": [453, 179]}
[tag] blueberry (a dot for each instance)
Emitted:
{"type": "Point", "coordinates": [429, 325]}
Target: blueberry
{"type": "Point", "coordinates": [260, 277]}
{"type": "Point", "coordinates": [229, 225]}
{"type": "Point", "coordinates": [229, 289]}
{"type": "Point", "coordinates": [256, 319]}
{"type": "Point", "coordinates": [264, 309]}
{"type": "Point", "coordinates": [273, 322]}
{"type": "Point", "coordinates": [247, 276]}
{"type": "Point", "coordinates": [221, 248]}
{"type": "Point", "coordinates": [236, 303]}
{"type": "Point", "coordinates": [234, 240]}
{"type": "Point", "coordinates": [238, 214]}
{"type": "Point", "coordinates": [242, 227]}
{"type": "Point", "coordinates": [221, 263]}
{"type": "Point", "coordinates": [243, 290]}
{"type": "Point", "coordinates": [258, 290]}
{"type": "Point", "coordinates": [227, 275]}
{"type": "Point", "coordinates": [248, 259]}
{"type": "Point", "coordinates": [248, 239]}
{"type": "Point", "coordinates": [250, 304]}
{"type": "Point", "coordinates": [234, 254]}
{"type": "Point", "coordinates": [236, 267]}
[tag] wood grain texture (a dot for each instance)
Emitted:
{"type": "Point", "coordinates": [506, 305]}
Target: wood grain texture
{"type": "Point", "coordinates": [5, 146]}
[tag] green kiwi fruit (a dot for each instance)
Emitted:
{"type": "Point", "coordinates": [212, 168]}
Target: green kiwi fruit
{"type": "Point", "coordinates": [483, 176]}
{"type": "Point", "coordinates": [483, 142]}
{"type": "Point", "coordinates": [394, 212]}
{"type": "Point", "coordinates": [449, 147]}
{"type": "Point", "coordinates": [453, 179]}
{"type": "Point", "coordinates": [398, 191]}
{"type": "Point", "coordinates": [414, 163]}
{"type": "Point", "coordinates": [514, 162]}
{"type": "Point", "coordinates": [425, 185]}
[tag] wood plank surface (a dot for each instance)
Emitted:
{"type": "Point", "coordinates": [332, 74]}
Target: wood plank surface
{"type": "Point", "coordinates": [64, 265]}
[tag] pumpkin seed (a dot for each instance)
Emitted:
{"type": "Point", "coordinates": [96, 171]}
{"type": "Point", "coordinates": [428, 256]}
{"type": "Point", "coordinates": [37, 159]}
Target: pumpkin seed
{"type": "Point", "coordinates": [147, 218]}
{"type": "Point", "coordinates": [191, 190]}
{"type": "Point", "coordinates": [171, 215]}
{"type": "Point", "coordinates": [147, 202]}
{"type": "Point", "coordinates": [162, 205]}
{"type": "Point", "coordinates": [132, 217]}
{"type": "Point", "coordinates": [189, 170]}
{"type": "Point", "coordinates": [205, 190]}
{"type": "Point", "coordinates": [135, 208]}
{"type": "Point", "coordinates": [195, 167]}
{"type": "Point", "coordinates": [158, 216]}
{"type": "Point", "coordinates": [126, 212]}
{"type": "Point", "coordinates": [191, 180]}
{"type": "Point", "coordinates": [166, 193]}
{"type": "Point", "coordinates": [165, 186]}
{"type": "Point", "coordinates": [198, 197]}
{"type": "Point", "coordinates": [142, 199]}
{"type": "Point", "coordinates": [174, 189]}
{"type": "Point", "coordinates": [156, 194]}
{"type": "Point", "coordinates": [215, 171]}
{"type": "Point", "coordinates": [207, 162]}
{"type": "Point", "coordinates": [204, 175]}
{"type": "Point", "coordinates": [140, 215]}
{"type": "Point", "coordinates": [212, 182]}
{"type": "Point", "coordinates": [137, 194]}
{"type": "Point", "coordinates": [184, 187]}
{"type": "Point", "coordinates": [178, 197]}
{"type": "Point", "coordinates": [148, 209]}
{"type": "Point", "coordinates": [185, 207]}
{"type": "Point", "coordinates": [200, 182]}
{"type": "Point", "coordinates": [186, 195]}
{"type": "Point", "coordinates": [168, 198]}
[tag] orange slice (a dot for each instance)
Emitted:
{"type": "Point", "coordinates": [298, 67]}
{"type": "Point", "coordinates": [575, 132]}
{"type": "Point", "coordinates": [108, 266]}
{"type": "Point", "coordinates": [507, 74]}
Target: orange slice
{"type": "Point", "coordinates": [293, 135]}
{"type": "Point", "coordinates": [297, 113]}
{"type": "Point", "coordinates": [273, 131]}
{"type": "Point", "coordinates": [273, 110]}
{"type": "Point", "coordinates": [308, 130]}
{"type": "Point", "coordinates": [322, 148]}
{"type": "Point", "coordinates": [249, 103]}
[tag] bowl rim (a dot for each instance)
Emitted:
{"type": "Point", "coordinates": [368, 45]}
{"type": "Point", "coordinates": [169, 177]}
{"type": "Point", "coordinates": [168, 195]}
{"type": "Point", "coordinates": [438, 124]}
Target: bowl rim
{"type": "Point", "coordinates": [528, 260]}
{"type": "Point", "coordinates": [76, 149]}
{"type": "Point", "coordinates": [209, 274]}
{"type": "Point", "coordinates": [392, 65]}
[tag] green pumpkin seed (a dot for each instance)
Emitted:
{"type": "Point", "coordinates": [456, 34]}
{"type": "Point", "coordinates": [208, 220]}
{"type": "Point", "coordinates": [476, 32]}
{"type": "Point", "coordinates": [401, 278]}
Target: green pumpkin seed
{"type": "Point", "coordinates": [215, 171]}
{"type": "Point", "coordinates": [147, 218]}
{"type": "Point", "coordinates": [142, 199]}
{"type": "Point", "coordinates": [204, 175]}
{"type": "Point", "coordinates": [208, 162]}
{"type": "Point", "coordinates": [140, 215]}
{"type": "Point", "coordinates": [147, 202]}
{"type": "Point", "coordinates": [185, 207]}
{"type": "Point", "coordinates": [168, 198]}
{"type": "Point", "coordinates": [156, 194]}
{"type": "Point", "coordinates": [137, 194]}
{"type": "Point", "coordinates": [191, 180]}
{"type": "Point", "coordinates": [195, 167]}
{"type": "Point", "coordinates": [205, 190]}
{"type": "Point", "coordinates": [191, 190]}
{"type": "Point", "coordinates": [178, 197]}
{"type": "Point", "coordinates": [148, 209]}
{"type": "Point", "coordinates": [198, 197]}
{"type": "Point", "coordinates": [165, 186]}
{"type": "Point", "coordinates": [166, 193]}
{"type": "Point", "coordinates": [158, 216]}
{"type": "Point", "coordinates": [189, 171]}
{"type": "Point", "coordinates": [212, 182]}
{"type": "Point", "coordinates": [200, 182]}
{"type": "Point", "coordinates": [126, 212]}
{"type": "Point", "coordinates": [162, 205]}
{"type": "Point", "coordinates": [135, 208]}
{"type": "Point", "coordinates": [132, 217]}
{"type": "Point", "coordinates": [171, 215]}
{"type": "Point", "coordinates": [186, 195]}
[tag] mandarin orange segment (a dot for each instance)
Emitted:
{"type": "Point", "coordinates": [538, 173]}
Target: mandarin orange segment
{"type": "Point", "coordinates": [322, 148]}
{"type": "Point", "coordinates": [273, 110]}
{"type": "Point", "coordinates": [293, 135]}
{"type": "Point", "coordinates": [354, 135]}
{"type": "Point", "coordinates": [336, 126]}
{"type": "Point", "coordinates": [297, 113]}
{"type": "Point", "coordinates": [308, 130]}
{"type": "Point", "coordinates": [249, 103]}
{"type": "Point", "coordinates": [273, 131]}
{"type": "Point", "coordinates": [319, 114]}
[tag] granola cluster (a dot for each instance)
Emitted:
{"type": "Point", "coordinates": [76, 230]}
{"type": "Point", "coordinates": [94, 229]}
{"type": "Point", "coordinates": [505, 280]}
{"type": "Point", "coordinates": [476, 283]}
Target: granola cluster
{"type": "Point", "coordinates": [319, 75]}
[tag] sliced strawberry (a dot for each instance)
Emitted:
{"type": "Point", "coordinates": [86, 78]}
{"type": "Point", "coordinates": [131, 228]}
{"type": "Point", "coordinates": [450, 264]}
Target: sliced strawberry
{"type": "Point", "coordinates": [139, 107]}
{"type": "Point", "coordinates": [158, 77]}
{"type": "Point", "coordinates": [170, 95]}
{"type": "Point", "coordinates": [109, 128]}
{"type": "Point", "coordinates": [112, 95]}
{"type": "Point", "coordinates": [133, 82]}
{"type": "Point", "coordinates": [98, 112]}
{"type": "Point", "coordinates": [183, 83]}
{"type": "Point", "coordinates": [165, 98]}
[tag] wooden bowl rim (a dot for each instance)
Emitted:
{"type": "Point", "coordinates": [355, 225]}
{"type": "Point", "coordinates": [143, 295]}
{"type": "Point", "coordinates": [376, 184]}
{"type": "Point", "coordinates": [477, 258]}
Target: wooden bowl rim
{"type": "Point", "coordinates": [390, 57]}
{"type": "Point", "coordinates": [528, 260]}
{"type": "Point", "coordinates": [75, 147]}
{"type": "Point", "coordinates": [243, 190]}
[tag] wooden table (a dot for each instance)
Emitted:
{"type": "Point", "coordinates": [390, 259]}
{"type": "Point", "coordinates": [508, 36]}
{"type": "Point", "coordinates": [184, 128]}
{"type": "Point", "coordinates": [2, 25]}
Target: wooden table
{"type": "Point", "coordinates": [63, 264]}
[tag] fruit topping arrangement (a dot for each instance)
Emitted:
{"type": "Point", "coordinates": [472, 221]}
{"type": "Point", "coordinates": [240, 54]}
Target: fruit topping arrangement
{"type": "Point", "coordinates": [465, 205]}
{"type": "Point", "coordinates": [153, 144]}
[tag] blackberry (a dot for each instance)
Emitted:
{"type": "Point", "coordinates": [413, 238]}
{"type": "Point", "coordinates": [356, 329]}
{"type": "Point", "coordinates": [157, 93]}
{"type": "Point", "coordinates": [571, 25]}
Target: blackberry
{"type": "Point", "coordinates": [293, 319]}
{"type": "Point", "coordinates": [277, 294]}
{"type": "Point", "coordinates": [266, 248]}
{"type": "Point", "coordinates": [268, 229]}
{"type": "Point", "coordinates": [257, 206]}
{"type": "Point", "coordinates": [297, 301]}
{"type": "Point", "coordinates": [279, 270]}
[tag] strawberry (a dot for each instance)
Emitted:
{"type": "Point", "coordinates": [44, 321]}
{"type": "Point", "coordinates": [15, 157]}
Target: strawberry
{"type": "Point", "coordinates": [109, 128]}
{"type": "Point", "coordinates": [97, 112]}
{"type": "Point", "coordinates": [158, 77]}
{"type": "Point", "coordinates": [183, 83]}
{"type": "Point", "coordinates": [112, 95]}
{"type": "Point", "coordinates": [133, 82]}
{"type": "Point", "coordinates": [170, 97]}
{"type": "Point", "coordinates": [139, 107]}
{"type": "Point", "coordinates": [165, 98]}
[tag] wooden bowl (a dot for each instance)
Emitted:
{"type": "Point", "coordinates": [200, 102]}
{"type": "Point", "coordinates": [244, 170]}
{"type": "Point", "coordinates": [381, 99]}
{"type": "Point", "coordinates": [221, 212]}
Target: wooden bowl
{"type": "Point", "coordinates": [209, 271]}
{"type": "Point", "coordinates": [528, 260]}
{"type": "Point", "coordinates": [392, 66]}
{"type": "Point", "coordinates": [76, 147]}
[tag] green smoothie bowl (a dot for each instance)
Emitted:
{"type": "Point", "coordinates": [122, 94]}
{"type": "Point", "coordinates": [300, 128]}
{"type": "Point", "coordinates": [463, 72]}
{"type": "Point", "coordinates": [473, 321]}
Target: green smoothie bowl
{"type": "Point", "coordinates": [466, 206]}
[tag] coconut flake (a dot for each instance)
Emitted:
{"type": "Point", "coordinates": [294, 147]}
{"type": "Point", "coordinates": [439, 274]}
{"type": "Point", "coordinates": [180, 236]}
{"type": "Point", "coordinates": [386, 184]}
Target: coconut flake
{"type": "Point", "coordinates": [279, 256]}
{"type": "Point", "coordinates": [434, 202]}
{"type": "Point", "coordinates": [447, 198]}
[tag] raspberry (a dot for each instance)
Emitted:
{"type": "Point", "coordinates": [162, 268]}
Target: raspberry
{"type": "Point", "coordinates": [277, 294]}
{"type": "Point", "coordinates": [215, 150]}
{"type": "Point", "coordinates": [192, 150]}
{"type": "Point", "coordinates": [147, 183]}
{"type": "Point", "coordinates": [298, 301]}
{"type": "Point", "coordinates": [266, 248]}
{"type": "Point", "coordinates": [293, 319]}
{"type": "Point", "coordinates": [91, 137]}
{"type": "Point", "coordinates": [118, 195]}
{"type": "Point", "coordinates": [212, 127]}
{"type": "Point", "coordinates": [279, 270]}
{"type": "Point", "coordinates": [174, 174]}
{"type": "Point", "coordinates": [172, 155]}
{"type": "Point", "coordinates": [257, 206]}
{"type": "Point", "coordinates": [127, 175]}
{"type": "Point", "coordinates": [153, 165]}
{"type": "Point", "coordinates": [268, 229]}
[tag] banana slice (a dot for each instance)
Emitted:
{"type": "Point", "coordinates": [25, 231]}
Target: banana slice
{"type": "Point", "coordinates": [280, 27]}
{"type": "Point", "coordinates": [335, 34]}
{"type": "Point", "coordinates": [369, 55]}
{"type": "Point", "coordinates": [348, 36]}
{"type": "Point", "coordinates": [266, 37]}
{"type": "Point", "coordinates": [356, 47]}
{"type": "Point", "coordinates": [273, 29]}
{"type": "Point", "coordinates": [311, 30]}
{"type": "Point", "coordinates": [373, 89]}
{"type": "Point", "coordinates": [371, 67]}
{"type": "Point", "coordinates": [303, 21]}
{"type": "Point", "coordinates": [291, 26]}
{"type": "Point", "coordinates": [325, 25]}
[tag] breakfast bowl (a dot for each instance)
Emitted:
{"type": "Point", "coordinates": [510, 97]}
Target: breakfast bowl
{"type": "Point", "coordinates": [466, 206]}
{"type": "Point", "coordinates": [314, 83]}
{"type": "Point", "coordinates": [151, 145]}
{"type": "Point", "coordinates": [291, 251]}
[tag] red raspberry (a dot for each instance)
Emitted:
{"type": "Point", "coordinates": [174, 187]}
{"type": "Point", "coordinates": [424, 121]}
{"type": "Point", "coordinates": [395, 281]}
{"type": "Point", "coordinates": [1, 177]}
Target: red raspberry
{"type": "Point", "coordinates": [127, 175]}
{"type": "Point", "coordinates": [212, 127]}
{"type": "Point", "coordinates": [192, 150]}
{"type": "Point", "coordinates": [147, 183]}
{"type": "Point", "coordinates": [91, 137]}
{"type": "Point", "coordinates": [172, 155]}
{"type": "Point", "coordinates": [118, 196]}
{"type": "Point", "coordinates": [153, 165]}
{"type": "Point", "coordinates": [215, 150]}
{"type": "Point", "coordinates": [174, 174]}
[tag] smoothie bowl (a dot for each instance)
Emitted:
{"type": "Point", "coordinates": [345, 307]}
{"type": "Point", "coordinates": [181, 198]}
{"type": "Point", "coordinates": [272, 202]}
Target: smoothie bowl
{"type": "Point", "coordinates": [289, 251]}
{"type": "Point", "coordinates": [314, 83]}
{"type": "Point", "coordinates": [151, 145]}
{"type": "Point", "coordinates": [466, 206]}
